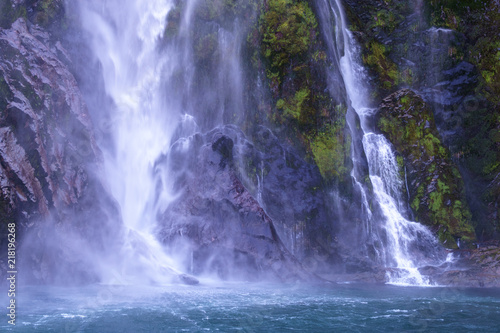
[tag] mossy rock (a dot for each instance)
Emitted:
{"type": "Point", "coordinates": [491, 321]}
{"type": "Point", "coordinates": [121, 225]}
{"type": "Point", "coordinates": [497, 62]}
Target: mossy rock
{"type": "Point", "coordinates": [437, 193]}
{"type": "Point", "coordinates": [10, 12]}
{"type": "Point", "coordinates": [286, 27]}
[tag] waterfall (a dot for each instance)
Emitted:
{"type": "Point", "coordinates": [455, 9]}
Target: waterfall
{"type": "Point", "coordinates": [124, 38]}
{"type": "Point", "coordinates": [168, 76]}
{"type": "Point", "coordinates": [157, 86]}
{"type": "Point", "coordinates": [404, 244]}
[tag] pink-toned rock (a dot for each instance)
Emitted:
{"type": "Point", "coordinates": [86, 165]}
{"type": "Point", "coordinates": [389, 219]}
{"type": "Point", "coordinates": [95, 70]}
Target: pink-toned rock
{"type": "Point", "coordinates": [46, 133]}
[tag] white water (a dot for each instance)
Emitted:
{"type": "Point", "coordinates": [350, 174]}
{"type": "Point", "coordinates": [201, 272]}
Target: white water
{"type": "Point", "coordinates": [400, 236]}
{"type": "Point", "coordinates": [124, 37]}
{"type": "Point", "coordinates": [155, 85]}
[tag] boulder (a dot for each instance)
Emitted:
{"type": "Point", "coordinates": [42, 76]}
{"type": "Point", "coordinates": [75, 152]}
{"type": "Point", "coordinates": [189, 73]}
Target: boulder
{"type": "Point", "coordinates": [217, 218]}
{"type": "Point", "coordinates": [478, 267]}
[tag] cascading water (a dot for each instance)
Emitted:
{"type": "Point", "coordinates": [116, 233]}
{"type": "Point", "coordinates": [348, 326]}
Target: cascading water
{"type": "Point", "coordinates": [124, 38]}
{"type": "Point", "coordinates": [154, 74]}
{"type": "Point", "coordinates": [143, 75]}
{"type": "Point", "coordinates": [402, 241]}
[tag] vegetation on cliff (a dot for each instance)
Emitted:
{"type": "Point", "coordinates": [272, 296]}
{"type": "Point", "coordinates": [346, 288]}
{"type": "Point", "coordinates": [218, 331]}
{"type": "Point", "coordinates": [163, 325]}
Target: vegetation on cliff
{"type": "Point", "coordinates": [446, 129]}
{"type": "Point", "coordinates": [42, 12]}
{"type": "Point", "coordinates": [436, 189]}
{"type": "Point", "coordinates": [448, 52]}
{"type": "Point", "coordinates": [479, 145]}
{"type": "Point", "coordinates": [295, 60]}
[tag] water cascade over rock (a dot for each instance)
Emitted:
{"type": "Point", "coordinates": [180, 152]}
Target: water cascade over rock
{"type": "Point", "coordinates": [399, 244]}
{"type": "Point", "coordinates": [182, 141]}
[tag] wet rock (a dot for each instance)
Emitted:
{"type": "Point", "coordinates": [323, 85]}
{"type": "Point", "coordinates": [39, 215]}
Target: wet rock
{"type": "Point", "coordinates": [291, 191]}
{"type": "Point", "coordinates": [479, 267]}
{"type": "Point", "coordinates": [435, 187]}
{"type": "Point", "coordinates": [48, 153]}
{"type": "Point", "coordinates": [188, 279]}
{"type": "Point", "coordinates": [217, 217]}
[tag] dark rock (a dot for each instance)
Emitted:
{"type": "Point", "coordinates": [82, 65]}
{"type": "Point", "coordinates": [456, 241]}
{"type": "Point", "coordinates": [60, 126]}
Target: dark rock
{"type": "Point", "coordinates": [479, 267]}
{"type": "Point", "coordinates": [292, 193]}
{"type": "Point", "coordinates": [48, 153]}
{"type": "Point", "coordinates": [226, 227]}
{"type": "Point", "coordinates": [435, 186]}
{"type": "Point", "coordinates": [188, 279]}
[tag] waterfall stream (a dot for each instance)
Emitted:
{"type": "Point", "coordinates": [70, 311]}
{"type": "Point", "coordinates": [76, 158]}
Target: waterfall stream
{"type": "Point", "coordinates": [124, 37]}
{"type": "Point", "coordinates": [151, 83]}
{"type": "Point", "coordinates": [162, 91]}
{"type": "Point", "coordinates": [400, 237]}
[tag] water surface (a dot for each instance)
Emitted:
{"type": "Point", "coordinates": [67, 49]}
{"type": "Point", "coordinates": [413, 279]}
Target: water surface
{"type": "Point", "coordinates": [256, 308]}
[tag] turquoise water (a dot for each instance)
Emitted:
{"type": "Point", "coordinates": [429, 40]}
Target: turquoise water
{"type": "Point", "coordinates": [255, 308]}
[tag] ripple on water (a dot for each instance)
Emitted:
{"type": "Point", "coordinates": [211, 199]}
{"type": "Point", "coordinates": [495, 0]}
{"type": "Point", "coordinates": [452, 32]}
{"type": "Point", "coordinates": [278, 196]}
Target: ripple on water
{"type": "Point", "coordinates": [259, 308]}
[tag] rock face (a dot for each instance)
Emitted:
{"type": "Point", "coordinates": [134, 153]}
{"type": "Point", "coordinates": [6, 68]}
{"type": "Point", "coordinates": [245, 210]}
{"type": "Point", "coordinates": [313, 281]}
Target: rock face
{"type": "Point", "coordinates": [48, 153]}
{"type": "Point", "coordinates": [435, 187]}
{"type": "Point", "coordinates": [291, 191]}
{"type": "Point", "coordinates": [479, 267]}
{"type": "Point", "coordinates": [217, 216]}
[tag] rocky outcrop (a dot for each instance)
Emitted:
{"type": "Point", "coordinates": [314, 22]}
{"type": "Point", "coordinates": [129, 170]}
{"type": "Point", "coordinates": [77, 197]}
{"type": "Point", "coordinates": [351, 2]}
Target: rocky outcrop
{"type": "Point", "coordinates": [448, 53]}
{"type": "Point", "coordinates": [478, 267]}
{"type": "Point", "coordinates": [49, 159]}
{"type": "Point", "coordinates": [226, 226]}
{"type": "Point", "coordinates": [291, 191]}
{"type": "Point", "coordinates": [435, 187]}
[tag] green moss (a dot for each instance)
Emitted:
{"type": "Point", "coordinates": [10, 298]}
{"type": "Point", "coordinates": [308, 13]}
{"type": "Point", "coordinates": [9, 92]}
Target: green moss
{"type": "Point", "coordinates": [330, 150]}
{"type": "Point", "coordinates": [415, 205]}
{"type": "Point", "coordinates": [47, 11]}
{"type": "Point", "coordinates": [405, 101]}
{"type": "Point", "coordinates": [10, 13]}
{"type": "Point", "coordinates": [387, 20]}
{"type": "Point", "coordinates": [293, 107]}
{"type": "Point", "coordinates": [330, 147]}
{"type": "Point", "coordinates": [286, 28]}
{"type": "Point", "coordinates": [378, 61]}
{"type": "Point", "coordinates": [438, 198]}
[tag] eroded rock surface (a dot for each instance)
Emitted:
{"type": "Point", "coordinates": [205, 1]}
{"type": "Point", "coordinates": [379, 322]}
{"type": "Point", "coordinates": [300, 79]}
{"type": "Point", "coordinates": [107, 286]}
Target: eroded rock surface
{"type": "Point", "coordinates": [49, 160]}
{"type": "Point", "coordinates": [218, 217]}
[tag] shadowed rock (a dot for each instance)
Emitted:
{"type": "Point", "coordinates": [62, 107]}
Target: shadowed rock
{"type": "Point", "coordinates": [228, 231]}
{"type": "Point", "coordinates": [49, 159]}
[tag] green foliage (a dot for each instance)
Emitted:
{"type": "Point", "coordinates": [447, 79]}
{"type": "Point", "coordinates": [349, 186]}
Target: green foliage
{"type": "Point", "coordinates": [286, 27]}
{"type": "Point", "coordinates": [330, 150]}
{"type": "Point", "coordinates": [415, 204]}
{"type": "Point", "coordinates": [387, 20]}
{"type": "Point", "coordinates": [405, 101]}
{"type": "Point", "coordinates": [479, 21]}
{"type": "Point", "coordinates": [385, 69]}
{"type": "Point", "coordinates": [46, 12]}
{"type": "Point", "coordinates": [10, 13]}
{"type": "Point", "coordinates": [409, 124]}
{"type": "Point", "coordinates": [400, 161]}
{"type": "Point", "coordinates": [293, 107]}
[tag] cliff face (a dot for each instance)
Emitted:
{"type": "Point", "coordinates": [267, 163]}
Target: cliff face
{"type": "Point", "coordinates": [447, 54]}
{"type": "Point", "coordinates": [435, 187]}
{"type": "Point", "coordinates": [238, 225]}
{"type": "Point", "coordinates": [433, 69]}
{"type": "Point", "coordinates": [49, 161]}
